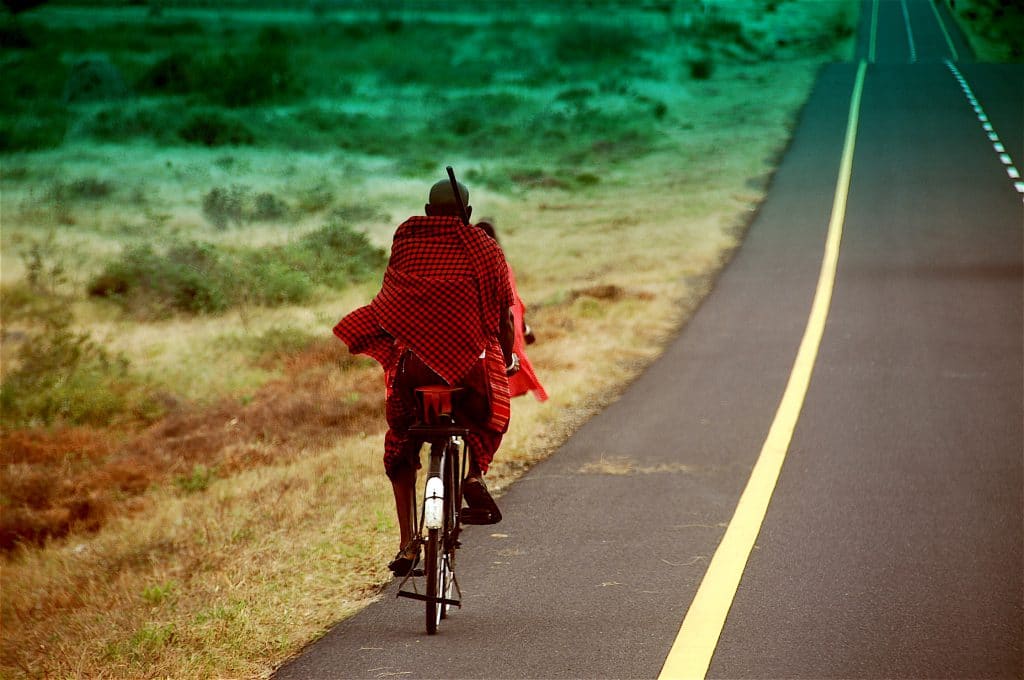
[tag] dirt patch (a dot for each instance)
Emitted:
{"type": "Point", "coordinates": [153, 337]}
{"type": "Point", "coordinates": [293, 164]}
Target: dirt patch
{"type": "Point", "coordinates": [74, 479]}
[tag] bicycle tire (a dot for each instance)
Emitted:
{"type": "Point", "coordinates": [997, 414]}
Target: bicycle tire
{"type": "Point", "coordinates": [437, 540]}
{"type": "Point", "coordinates": [435, 579]}
{"type": "Point", "coordinates": [451, 500]}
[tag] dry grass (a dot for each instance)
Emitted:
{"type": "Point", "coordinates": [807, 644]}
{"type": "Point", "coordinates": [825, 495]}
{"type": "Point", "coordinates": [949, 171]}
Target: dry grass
{"type": "Point", "coordinates": [71, 480]}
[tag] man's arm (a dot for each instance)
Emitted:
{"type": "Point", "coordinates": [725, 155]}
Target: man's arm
{"type": "Point", "coordinates": [507, 336]}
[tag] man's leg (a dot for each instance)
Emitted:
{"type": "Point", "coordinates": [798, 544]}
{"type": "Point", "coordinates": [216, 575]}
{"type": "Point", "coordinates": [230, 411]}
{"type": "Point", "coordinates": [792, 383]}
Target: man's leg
{"type": "Point", "coordinates": [401, 460]}
{"type": "Point", "coordinates": [404, 486]}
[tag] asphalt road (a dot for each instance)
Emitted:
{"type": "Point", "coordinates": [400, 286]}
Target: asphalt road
{"type": "Point", "coordinates": [892, 546]}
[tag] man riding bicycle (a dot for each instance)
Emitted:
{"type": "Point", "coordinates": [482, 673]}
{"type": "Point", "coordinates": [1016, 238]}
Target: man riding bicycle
{"type": "Point", "coordinates": [442, 317]}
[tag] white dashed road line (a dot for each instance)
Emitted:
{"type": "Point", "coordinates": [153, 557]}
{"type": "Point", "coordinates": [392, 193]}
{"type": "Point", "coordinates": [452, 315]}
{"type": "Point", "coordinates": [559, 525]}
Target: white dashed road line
{"type": "Point", "coordinates": [910, 32]}
{"type": "Point", "coordinates": [1004, 158]}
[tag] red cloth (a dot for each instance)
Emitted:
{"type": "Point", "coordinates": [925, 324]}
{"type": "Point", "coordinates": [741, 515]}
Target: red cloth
{"type": "Point", "coordinates": [526, 379]}
{"type": "Point", "coordinates": [472, 405]}
{"type": "Point", "coordinates": [444, 291]}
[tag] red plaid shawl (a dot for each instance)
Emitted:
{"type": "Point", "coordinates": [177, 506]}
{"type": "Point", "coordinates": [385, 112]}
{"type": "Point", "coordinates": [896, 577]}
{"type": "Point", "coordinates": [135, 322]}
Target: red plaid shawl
{"type": "Point", "coordinates": [444, 291]}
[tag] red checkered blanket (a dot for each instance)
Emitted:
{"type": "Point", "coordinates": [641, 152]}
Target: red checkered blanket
{"type": "Point", "coordinates": [444, 291]}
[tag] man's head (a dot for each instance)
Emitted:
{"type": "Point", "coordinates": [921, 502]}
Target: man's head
{"type": "Point", "coordinates": [442, 200]}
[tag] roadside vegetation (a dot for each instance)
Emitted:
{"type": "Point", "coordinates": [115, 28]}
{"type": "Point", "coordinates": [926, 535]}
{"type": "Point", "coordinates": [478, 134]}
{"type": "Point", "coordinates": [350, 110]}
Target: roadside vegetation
{"type": "Point", "coordinates": [994, 28]}
{"type": "Point", "coordinates": [191, 477]}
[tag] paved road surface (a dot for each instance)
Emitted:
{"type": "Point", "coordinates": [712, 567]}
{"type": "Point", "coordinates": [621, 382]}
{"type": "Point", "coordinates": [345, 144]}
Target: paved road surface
{"type": "Point", "coordinates": [892, 546]}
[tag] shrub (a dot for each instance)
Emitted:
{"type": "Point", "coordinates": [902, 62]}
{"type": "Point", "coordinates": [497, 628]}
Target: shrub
{"type": "Point", "coordinates": [32, 115]}
{"type": "Point", "coordinates": [259, 75]}
{"type": "Point", "coordinates": [15, 35]}
{"type": "Point", "coordinates": [727, 31]}
{"type": "Point", "coordinates": [63, 375]}
{"type": "Point", "coordinates": [587, 42]}
{"type": "Point", "coordinates": [18, 6]}
{"type": "Point", "coordinates": [198, 480]}
{"type": "Point", "coordinates": [45, 271]}
{"type": "Point", "coordinates": [198, 278]}
{"type": "Point", "coordinates": [316, 198]}
{"type": "Point", "coordinates": [225, 206]}
{"type": "Point", "coordinates": [189, 277]}
{"type": "Point", "coordinates": [276, 283]}
{"type": "Point", "coordinates": [83, 189]}
{"type": "Point", "coordinates": [997, 27]}
{"type": "Point", "coordinates": [94, 79]}
{"type": "Point", "coordinates": [212, 128]}
{"type": "Point", "coordinates": [701, 69]}
{"type": "Point", "coordinates": [174, 28]}
{"type": "Point", "coordinates": [269, 207]}
{"type": "Point", "coordinates": [359, 212]}
{"type": "Point", "coordinates": [33, 131]}
{"type": "Point", "coordinates": [119, 123]}
{"type": "Point", "coordinates": [281, 341]}
{"type": "Point", "coordinates": [335, 255]}
{"type": "Point", "coordinates": [175, 73]}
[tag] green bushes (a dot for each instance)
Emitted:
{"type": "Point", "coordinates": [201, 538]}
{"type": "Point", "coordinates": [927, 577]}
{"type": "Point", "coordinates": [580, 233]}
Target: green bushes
{"type": "Point", "coordinates": [36, 129]}
{"type": "Point", "coordinates": [187, 277]}
{"type": "Point", "coordinates": [223, 207]}
{"type": "Point", "coordinates": [59, 374]}
{"type": "Point", "coordinates": [213, 128]}
{"type": "Point", "coordinates": [67, 376]}
{"type": "Point", "coordinates": [235, 206]}
{"type": "Point", "coordinates": [702, 68]}
{"type": "Point", "coordinates": [126, 121]}
{"type": "Point", "coordinates": [164, 122]}
{"type": "Point", "coordinates": [335, 255]}
{"type": "Point", "coordinates": [996, 28]}
{"type": "Point", "coordinates": [259, 74]}
{"type": "Point", "coordinates": [590, 43]}
{"type": "Point", "coordinates": [174, 73]}
{"type": "Point", "coordinates": [32, 115]}
{"type": "Point", "coordinates": [200, 278]}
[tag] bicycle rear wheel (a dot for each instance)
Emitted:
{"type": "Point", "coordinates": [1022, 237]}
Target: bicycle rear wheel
{"type": "Point", "coordinates": [451, 519]}
{"type": "Point", "coordinates": [436, 572]}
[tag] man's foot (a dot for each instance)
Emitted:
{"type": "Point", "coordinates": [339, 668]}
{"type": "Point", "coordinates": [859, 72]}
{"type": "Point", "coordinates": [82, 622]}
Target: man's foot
{"type": "Point", "coordinates": [482, 508]}
{"type": "Point", "coordinates": [405, 561]}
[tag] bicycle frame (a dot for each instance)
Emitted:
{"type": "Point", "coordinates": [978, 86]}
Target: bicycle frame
{"type": "Point", "coordinates": [438, 524]}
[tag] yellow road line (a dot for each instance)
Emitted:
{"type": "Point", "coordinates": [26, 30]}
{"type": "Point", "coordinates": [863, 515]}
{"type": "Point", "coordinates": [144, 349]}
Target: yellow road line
{"type": "Point", "coordinates": [698, 636]}
{"type": "Point", "coordinates": [874, 31]}
{"type": "Point", "coordinates": [942, 25]}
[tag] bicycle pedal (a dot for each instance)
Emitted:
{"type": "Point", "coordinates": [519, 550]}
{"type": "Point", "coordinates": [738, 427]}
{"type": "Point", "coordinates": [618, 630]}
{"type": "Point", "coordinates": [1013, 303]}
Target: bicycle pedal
{"type": "Point", "coordinates": [477, 516]}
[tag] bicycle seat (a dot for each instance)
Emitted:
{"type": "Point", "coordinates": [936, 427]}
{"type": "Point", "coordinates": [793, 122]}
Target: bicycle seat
{"type": "Point", "coordinates": [436, 419]}
{"type": "Point", "coordinates": [435, 402]}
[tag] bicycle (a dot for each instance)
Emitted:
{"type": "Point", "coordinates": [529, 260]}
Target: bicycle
{"type": "Point", "coordinates": [442, 515]}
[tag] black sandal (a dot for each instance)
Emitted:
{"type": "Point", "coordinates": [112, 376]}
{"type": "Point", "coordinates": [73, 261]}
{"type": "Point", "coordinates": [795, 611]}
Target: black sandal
{"type": "Point", "coordinates": [405, 562]}
{"type": "Point", "coordinates": [482, 508]}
